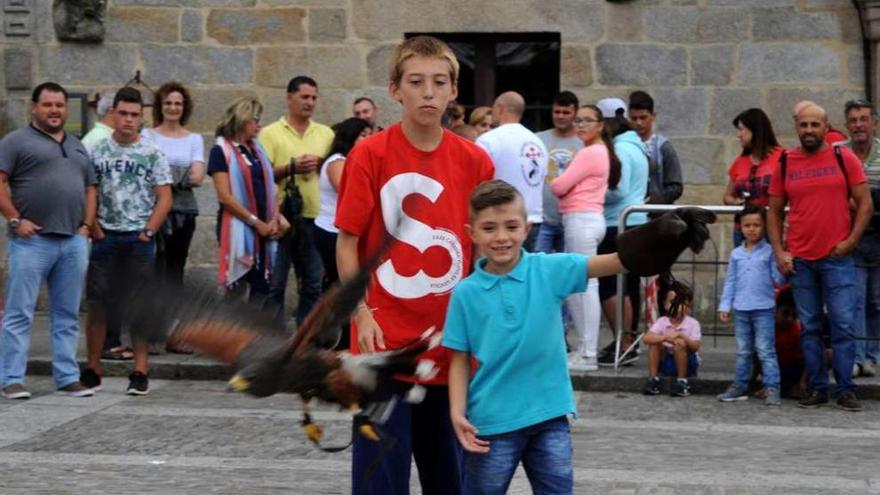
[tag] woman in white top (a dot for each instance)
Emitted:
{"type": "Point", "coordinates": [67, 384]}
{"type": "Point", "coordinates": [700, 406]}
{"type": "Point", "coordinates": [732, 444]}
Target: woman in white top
{"type": "Point", "coordinates": [347, 133]}
{"type": "Point", "coordinates": [185, 152]}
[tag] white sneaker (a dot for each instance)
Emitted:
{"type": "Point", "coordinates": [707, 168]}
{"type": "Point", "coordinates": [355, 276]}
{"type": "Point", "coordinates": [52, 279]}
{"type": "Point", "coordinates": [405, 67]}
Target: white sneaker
{"type": "Point", "coordinates": [581, 364]}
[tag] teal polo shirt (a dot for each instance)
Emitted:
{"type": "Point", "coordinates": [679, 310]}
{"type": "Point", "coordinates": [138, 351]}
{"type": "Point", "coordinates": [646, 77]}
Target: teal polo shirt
{"type": "Point", "coordinates": [512, 326]}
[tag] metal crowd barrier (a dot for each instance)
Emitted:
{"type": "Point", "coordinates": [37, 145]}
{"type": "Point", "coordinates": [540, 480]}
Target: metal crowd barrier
{"type": "Point", "coordinates": [621, 279]}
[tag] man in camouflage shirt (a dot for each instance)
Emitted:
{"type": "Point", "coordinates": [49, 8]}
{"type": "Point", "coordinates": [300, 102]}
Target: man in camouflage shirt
{"type": "Point", "coordinates": [134, 197]}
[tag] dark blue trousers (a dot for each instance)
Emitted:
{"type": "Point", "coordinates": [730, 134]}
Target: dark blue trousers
{"type": "Point", "coordinates": [423, 431]}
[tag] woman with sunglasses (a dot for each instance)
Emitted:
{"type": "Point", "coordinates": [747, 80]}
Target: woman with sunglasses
{"type": "Point", "coordinates": [581, 190]}
{"type": "Point", "coordinates": [749, 175]}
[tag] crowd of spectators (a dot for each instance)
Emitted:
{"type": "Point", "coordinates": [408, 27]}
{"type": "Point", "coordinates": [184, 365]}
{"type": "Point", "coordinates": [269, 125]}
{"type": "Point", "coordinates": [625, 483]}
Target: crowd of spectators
{"type": "Point", "coordinates": [297, 193]}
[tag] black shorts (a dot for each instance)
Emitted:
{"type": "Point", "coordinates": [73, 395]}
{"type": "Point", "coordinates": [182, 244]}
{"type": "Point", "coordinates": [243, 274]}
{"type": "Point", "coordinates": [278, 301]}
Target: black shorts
{"type": "Point", "coordinates": [116, 262]}
{"type": "Point", "coordinates": [608, 285]}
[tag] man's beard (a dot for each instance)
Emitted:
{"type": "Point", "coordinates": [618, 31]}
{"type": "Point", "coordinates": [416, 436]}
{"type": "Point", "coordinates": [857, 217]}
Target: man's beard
{"type": "Point", "coordinates": [811, 147]}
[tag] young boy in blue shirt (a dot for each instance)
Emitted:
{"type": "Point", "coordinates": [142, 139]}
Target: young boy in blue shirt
{"type": "Point", "coordinates": [506, 317]}
{"type": "Point", "coordinates": [749, 290]}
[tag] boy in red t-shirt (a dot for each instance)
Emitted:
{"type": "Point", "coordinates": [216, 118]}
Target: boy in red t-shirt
{"type": "Point", "coordinates": [411, 181]}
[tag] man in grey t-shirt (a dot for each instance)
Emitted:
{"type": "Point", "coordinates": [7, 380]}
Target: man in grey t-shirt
{"type": "Point", "coordinates": [49, 212]}
{"type": "Point", "coordinates": [562, 143]}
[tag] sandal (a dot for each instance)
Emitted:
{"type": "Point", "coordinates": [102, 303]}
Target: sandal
{"type": "Point", "coordinates": [119, 353]}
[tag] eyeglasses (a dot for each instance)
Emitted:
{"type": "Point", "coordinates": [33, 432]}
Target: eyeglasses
{"type": "Point", "coordinates": [256, 119]}
{"type": "Point", "coordinates": [586, 121]}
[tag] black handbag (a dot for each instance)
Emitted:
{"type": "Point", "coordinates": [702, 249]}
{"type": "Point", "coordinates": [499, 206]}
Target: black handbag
{"type": "Point", "coordinates": [292, 204]}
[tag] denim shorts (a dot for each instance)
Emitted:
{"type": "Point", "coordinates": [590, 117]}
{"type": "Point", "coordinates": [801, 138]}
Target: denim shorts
{"type": "Point", "coordinates": [544, 449]}
{"type": "Point", "coordinates": [116, 261]}
{"type": "Point", "coordinates": [667, 366]}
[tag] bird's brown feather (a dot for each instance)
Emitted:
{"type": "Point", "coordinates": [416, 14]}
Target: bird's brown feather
{"type": "Point", "coordinates": [221, 340]}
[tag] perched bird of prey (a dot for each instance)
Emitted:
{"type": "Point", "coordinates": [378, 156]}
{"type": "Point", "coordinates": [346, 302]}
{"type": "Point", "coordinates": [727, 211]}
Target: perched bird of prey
{"type": "Point", "coordinates": [653, 247]}
{"type": "Point", "coordinates": [269, 361]}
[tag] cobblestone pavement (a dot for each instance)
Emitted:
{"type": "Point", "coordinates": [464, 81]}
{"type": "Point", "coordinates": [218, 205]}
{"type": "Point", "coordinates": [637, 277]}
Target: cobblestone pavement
{"type": "Point", "coordinates": [191, 437]}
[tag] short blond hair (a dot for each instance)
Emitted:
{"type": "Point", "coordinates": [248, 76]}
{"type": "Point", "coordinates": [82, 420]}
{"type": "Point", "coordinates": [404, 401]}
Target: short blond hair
{"type": "Point", "coordinates": [479, 114]}
{"type": "Point", "coordinates": [421, 46]}
{"type": "Point", "coordinates": [236, 116]}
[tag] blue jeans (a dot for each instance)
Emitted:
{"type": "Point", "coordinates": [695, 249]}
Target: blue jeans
{"type": "Point", "coordinates": [61, 261]}
{"type": "Point", "coordinates": [422, 431]}
{"type": "Point", "coordinates": [299, 250]}
{"type": "Point", "coordinates": [756, 331]}
{"type": "Point", "coordinates": [551, 238]}
{"type": "Point", "coordinates": [828, 282]}
{"type": "Point", "coordinates": [867, 320]}
{"type": "Point", "coordinates": [532, 238]}
{"type": "Point", "coordinates": [544, 449]}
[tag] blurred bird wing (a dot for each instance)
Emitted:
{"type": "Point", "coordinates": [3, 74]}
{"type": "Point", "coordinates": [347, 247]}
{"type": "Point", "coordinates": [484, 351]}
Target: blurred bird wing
{"type": "Point", "coordinates": [198, 315]}
{"type": "Point", "coordinates": [221, 340]}
{"type": "Point", "coordinates": [337, 304]}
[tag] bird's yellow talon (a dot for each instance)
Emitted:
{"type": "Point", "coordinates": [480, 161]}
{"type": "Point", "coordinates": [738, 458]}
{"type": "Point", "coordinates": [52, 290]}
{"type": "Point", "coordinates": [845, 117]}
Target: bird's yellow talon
{"type": "Point", "coordinates": [238, 384]}
{"type": "Point", "coordinates": [369, 432]}
{"type": "Point", "coordinates": [313, 431]}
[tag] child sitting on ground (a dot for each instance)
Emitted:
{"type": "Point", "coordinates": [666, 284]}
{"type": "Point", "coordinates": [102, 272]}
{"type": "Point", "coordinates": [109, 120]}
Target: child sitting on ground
{"type": "Point", "coordinates": [749, 290]}
{"type": "Point", "coordinates": [673, 341]}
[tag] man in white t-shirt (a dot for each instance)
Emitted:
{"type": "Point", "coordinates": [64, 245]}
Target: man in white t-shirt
{"type": "Point", "coordinates": [520, 157]}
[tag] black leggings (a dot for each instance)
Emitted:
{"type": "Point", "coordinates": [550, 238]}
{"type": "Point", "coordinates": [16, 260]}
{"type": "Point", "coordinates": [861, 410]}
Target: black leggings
{"type": "Point", "coordinates": [325, 243]}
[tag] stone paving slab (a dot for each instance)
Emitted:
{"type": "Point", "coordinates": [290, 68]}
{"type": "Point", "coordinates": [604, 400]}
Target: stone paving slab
{"type": "Point", "coordinates": [192, 437]}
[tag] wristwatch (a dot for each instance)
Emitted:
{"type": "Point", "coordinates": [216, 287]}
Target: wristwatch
{"type": "Point", "coordinates": [149, 233]}
{"type": "Point", "coordinates": [252, 220]}
{"type": "Point", "coordinates": [14, 223]}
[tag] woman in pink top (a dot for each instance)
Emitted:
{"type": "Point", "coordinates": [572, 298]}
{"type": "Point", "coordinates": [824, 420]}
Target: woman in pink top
{"type": "Point", "coordinates": [581, 191]}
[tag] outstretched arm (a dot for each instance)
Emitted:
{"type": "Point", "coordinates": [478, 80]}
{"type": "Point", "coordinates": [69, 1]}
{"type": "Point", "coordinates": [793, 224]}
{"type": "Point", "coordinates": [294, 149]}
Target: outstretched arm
{"type": "Point", "coordinates": [603, 265]}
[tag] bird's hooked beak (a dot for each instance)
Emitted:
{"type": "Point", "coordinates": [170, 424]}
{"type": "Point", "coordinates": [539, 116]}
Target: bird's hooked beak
{"type": "Point", "coordinates": [238, 384]}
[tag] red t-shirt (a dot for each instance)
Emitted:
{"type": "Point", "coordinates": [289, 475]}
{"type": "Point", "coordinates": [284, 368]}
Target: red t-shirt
{"type": "Point", "coordinates": [818, 197]}
{"type": "Point", "coordinates": [423, 198]}
{"type": "Point", "coordinates": [833, 136]}
{"type": "Point", "coordinates": [740, 171]}
{"type": "Point", "coordinates": [788, 344]}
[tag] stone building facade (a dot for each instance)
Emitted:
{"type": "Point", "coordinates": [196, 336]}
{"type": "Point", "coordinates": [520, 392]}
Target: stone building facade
{"type": "Point", "coordinates": [703, 60]}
